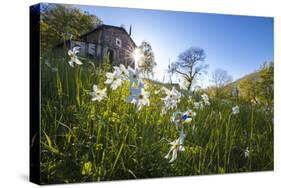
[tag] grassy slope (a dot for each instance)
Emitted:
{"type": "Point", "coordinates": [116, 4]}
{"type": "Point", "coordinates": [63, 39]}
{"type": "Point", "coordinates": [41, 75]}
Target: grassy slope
{"type": "Point", "coordinates": [82, 140]}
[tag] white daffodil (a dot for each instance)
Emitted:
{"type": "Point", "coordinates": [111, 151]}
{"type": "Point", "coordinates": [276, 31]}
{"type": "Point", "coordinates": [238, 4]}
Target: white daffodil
{"type": "Point", "coordinates": [98, 94]}
{"type": "Point", "coordinates": [171, 99]}
{"type": "Point", "coordinates": [171, 94]}
{"type": "Point", "coordinates": [174, 150]}
{"type": "Point", "coordinates": [205, 99]}
{"type": "Point", "coordinates": [169, 104]}
{"type": "Point", "coordinates": [114, 79]}
{"type": "Point", "coordinates": [134, 76]}
{"type": "Point", "coordinates": [176, 146]}
{"type": "Point", "coordinates": [198, 105]}
{"type": "Point", "coordinates": [123, 72]}
{"type": "Point", "coordinates": [255, 101]}
{"type": "Point", "coordinates": [73, 56]}
{"type": "Point", "coordinates": [235, 110]}
{"type": "Point", "coordinates": [207, 103]}
{"type": "Point", "coordinates": [246, 153]}
{"type": "Point", "coordinates": [138, 97]}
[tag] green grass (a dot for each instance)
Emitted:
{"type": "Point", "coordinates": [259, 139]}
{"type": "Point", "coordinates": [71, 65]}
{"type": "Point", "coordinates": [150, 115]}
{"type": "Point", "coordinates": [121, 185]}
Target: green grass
{"type": "Point", "coordinates": [83, 141]}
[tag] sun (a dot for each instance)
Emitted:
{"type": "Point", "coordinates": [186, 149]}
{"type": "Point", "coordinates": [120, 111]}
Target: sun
{"type": "Point", "coordinates": [137, 55]}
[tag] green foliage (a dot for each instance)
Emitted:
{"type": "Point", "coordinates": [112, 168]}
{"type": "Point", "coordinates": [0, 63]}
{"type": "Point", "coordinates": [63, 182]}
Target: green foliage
{"type": "Point", "coordinates": [248, 88]}
{"type": "Point", "coordinates": [258, 87]}
{"type": "Point", "coordinates": [266, 84]}
{"type": "Point", "coordinates": [59, 22]}
{"type": "Point", "coordinates": [147, 60]}
{"type": "Point", "coordinates": [84, 140]}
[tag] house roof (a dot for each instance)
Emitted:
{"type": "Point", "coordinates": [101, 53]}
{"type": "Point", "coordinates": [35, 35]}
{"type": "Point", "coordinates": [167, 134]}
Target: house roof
{"type": "Point", "coordinates": [99, 27]}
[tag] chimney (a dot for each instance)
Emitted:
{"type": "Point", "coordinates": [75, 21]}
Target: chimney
{"type": "Point", "coordinates": [130, 30]}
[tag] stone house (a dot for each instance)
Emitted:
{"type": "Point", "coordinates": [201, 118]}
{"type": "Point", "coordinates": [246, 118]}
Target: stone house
{"type": "Point", "coordinates": [107, 40]}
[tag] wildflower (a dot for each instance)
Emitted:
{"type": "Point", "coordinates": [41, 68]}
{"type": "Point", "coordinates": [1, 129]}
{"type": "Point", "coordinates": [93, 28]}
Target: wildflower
{"type": "Point", "coordinates": [169, 104]}
{"type": "Point", "coordinates": [205, 99]}
{"type": "Point", "coordinates": [98, 94]}
{"type": "Point", "coordinates": [172, 94]}
{"type": "Point", "coordinates": [235, 110]}
{"type": "Point", "coordinates": [122, 71]}
{"type": "Point", "coordinates": [183, 117]}
{"type": "Point", "coordinates": [114, 79]}
{"type": "Point", "coordinates": [198, 105]}
{"type": "Point", "coordinates": [139, 97]}
{"type": "Point", "coordinates": [73, 57]}
{"type": "Point", "coordinates": [174, 149]}
{"type": "Point", "coordinates": [188, 115]}
{"type": "Point", "coordinates": [171, 99]}
{"type": "Point", "coordinates": [134, 76]}
{"type": "Point", "coordinates": [255, 101]}
{"type": "Point", "coordinates": [176, 146]}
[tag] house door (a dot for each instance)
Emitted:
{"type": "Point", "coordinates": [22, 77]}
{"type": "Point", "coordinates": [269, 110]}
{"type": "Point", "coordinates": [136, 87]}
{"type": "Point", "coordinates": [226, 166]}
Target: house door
{"type": "Point", "coordinates": [110, 54]}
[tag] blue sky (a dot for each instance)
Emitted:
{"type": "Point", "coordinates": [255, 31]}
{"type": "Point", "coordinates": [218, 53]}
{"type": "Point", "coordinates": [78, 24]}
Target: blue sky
{"type": "Point", "coordinates": [238, 44]}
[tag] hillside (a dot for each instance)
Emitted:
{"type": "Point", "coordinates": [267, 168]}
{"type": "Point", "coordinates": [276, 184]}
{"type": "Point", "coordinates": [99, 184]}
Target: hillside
{"type": "Point", "coordinates": [252, 76]}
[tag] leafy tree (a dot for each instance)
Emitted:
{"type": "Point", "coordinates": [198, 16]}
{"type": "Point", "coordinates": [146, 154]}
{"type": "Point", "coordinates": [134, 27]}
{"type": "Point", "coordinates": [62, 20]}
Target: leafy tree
{"type": "Point", "coordinates": [147, 59]}
{"type": "Point", "coordinates": [220, 78]}
{"type": "Point", "coordinates": [259, 86]}
{"type": "Point", "coordinates": [248, 89]}
{"type": "Point", "coordinates": [61, 22]}
{"type": "Point", "coordinates": [266, 83]}
{"type": "Point", "coordinates": [190, 65]}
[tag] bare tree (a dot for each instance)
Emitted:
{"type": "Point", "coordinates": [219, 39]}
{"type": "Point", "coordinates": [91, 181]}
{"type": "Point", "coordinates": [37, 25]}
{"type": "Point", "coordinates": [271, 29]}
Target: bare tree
{"type": "Point", "coordinates": [190, 65]}
{"type": "Point", "coordinates": [220, 78]}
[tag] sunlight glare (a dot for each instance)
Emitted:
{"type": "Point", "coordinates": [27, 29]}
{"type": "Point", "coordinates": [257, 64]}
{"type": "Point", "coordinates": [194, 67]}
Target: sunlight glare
{"type": "Point", "coordinates": [137, 55]}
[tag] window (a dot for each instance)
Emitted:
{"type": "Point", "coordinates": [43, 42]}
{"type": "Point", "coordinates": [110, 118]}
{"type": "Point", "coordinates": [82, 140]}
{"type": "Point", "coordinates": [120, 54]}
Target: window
{"type": "Point", "coordinates": [118, 43]}
{"type": "Point", "coordinates": [91, 49]}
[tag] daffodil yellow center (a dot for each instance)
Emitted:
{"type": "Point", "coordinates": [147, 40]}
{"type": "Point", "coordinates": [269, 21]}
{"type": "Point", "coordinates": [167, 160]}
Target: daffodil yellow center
{"type": "Point", "coordinates": [141, 96]}
{"type": "Point", "coordinates": [175, 146]}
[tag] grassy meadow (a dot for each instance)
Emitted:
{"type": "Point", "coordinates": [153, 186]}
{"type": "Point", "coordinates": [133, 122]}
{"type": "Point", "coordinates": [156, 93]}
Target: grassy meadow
{"type": "Point", "coordinates": [84, 140]}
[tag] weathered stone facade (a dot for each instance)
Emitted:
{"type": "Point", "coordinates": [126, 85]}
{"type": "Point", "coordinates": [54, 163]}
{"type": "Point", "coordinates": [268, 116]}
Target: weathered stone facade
{"type": "Point", "coordinates": [105, 40]}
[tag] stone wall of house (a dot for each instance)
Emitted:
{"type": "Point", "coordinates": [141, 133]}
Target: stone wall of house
{"type": "Point", "coordinates": [114, 41]}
